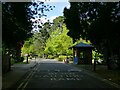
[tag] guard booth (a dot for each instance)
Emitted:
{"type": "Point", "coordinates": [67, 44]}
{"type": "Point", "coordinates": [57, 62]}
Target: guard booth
{"type": "Point", "coordinates": [82, 53]}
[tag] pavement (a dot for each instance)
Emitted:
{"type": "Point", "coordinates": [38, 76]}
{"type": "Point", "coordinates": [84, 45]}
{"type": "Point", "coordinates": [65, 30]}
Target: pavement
{"type": "Point", "coordinates": [62, 75]}
{"type": "Point", "coordinates": [17, 72]}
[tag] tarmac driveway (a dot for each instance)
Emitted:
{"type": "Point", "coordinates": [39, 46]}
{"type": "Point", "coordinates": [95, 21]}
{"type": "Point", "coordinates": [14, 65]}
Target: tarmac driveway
{"type": "Point", "coordinates": [53, 74]}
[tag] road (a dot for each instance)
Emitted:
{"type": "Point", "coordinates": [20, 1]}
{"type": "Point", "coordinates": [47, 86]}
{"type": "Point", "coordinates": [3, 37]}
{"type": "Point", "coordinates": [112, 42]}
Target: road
{"type": "Point", "coordinates": [53, 74]}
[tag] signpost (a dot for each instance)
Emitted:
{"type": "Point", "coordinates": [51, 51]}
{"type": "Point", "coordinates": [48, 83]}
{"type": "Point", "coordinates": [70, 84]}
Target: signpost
{"type": "Point", "coordinates": [76, 60]}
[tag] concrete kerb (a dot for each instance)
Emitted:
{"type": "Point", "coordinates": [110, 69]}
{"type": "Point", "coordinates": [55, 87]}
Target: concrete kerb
{"type": "Point", "coordinates": [24, 73]}
{"type": "Point", "coordinates": [95, 75]}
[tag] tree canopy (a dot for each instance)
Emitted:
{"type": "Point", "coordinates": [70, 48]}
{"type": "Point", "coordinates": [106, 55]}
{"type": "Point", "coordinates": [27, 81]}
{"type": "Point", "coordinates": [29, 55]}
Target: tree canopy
{"type": "Point", "coordinates": [98, 22]}
{"type": "Point", "coordinates": [50, 39]}
{"type": "Point", "coordinates": [58, 43]}
{"type": "Point", "coordinates": [15, 23]}
{"type": "Point", "coordinates": [18, 23]}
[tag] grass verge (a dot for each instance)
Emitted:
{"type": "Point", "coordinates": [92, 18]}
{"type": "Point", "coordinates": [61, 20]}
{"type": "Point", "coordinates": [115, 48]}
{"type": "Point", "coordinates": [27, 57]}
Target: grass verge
{"type": "Point", "coordinates": [102, 71]}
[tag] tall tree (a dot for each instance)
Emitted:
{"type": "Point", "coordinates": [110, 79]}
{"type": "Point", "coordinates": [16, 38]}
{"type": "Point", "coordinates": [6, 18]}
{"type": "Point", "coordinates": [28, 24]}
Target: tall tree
{"type": "Point", "coordinates": [73, 16]}
{"type": "Point", "coordinates": [37, 43]}
{"type": "Point", "coordinates": [99, 23]}
{"type": "Point", "coordinates": [15, 24]}
{"type": "Point", "coordinates": [59, 42]}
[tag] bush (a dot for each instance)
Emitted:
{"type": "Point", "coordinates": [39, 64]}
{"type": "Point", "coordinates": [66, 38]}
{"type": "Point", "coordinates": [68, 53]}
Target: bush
{"type": "Point", "coordinates": [12, 61]}
{"type": "Point", "coordinates": [21, 59]}
{"type": "Point", "coordinates": [70, 58]}
{"type": "Point", "coordinates": [30, 57]}
{"type": "Point", "coordinates": [50, 57]}
{"type": "Point", "coordinates": [61, 57]}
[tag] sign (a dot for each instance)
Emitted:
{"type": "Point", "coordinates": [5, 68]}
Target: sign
{"type": "Point", "coordinates": [76, 60]}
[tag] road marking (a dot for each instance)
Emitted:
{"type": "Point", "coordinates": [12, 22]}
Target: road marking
{"type": "Point", "coordinates": [26, 80]}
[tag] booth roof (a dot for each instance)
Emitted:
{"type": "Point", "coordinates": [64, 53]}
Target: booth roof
{"type": "Point", "coordinates": [81, 44]}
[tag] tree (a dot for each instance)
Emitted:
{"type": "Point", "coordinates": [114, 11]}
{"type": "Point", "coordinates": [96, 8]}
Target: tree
{"type": "Point", "coordinates": [57, 32]}
{"type": "Point", "coordinates": [36, 44]}
{"type": "Point", "coordinates": [99, 24]}
{"type": "Point", "coordinates": [73, 16]}
{"type": "Point", "coordinates": [58, 42]}
{"type": "Point", "coordinates": [28, 47]}
{"type": "Point", "coordinates": [17, 24]}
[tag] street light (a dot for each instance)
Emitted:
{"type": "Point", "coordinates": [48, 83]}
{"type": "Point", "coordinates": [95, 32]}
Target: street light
{"type": "Point", "coordinates": [94, 68]}
{"type": "Point", "coordinates": [26, 57]}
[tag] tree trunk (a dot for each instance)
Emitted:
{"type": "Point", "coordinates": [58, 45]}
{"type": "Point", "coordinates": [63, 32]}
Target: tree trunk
{"type": "Point", "coordinates": [6, 64]}
{"type": "Point", "coordinates": [74, 40]}
{"type": "Point", "coordinates": [18, 54]}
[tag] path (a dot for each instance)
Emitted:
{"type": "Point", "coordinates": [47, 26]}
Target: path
{"type": "Point", "coordinates": [53, 74]}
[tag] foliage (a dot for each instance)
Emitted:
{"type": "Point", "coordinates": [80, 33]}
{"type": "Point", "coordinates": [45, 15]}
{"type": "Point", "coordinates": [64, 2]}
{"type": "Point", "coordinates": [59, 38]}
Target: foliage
{"type": "Point", "coordinates": [36, 44]}
{"type": "Point", "coordinates": [28, 47]}
{"type": "Point", "coordinates": [16, 27]}
{"type": "Point", "coordinates": [62, 57]}
{"type": "Point", "coordinates": [96, 55]}
{"type": "Point", "coordinates": [97, 22]}
{"type": "Point", "coordinates": [58, 42]}
{"type": "Point", "coordinates": [50, 57]}
{"type": "Point", "coordinates": [17, 23]}
{"type": "Point", "coordinates": [72, 15]}
{"type": "Point", "coordinates": [51, 40]}
{"type": "Point", "coordinates": [82, 40]}
{"type": "Point", "coordinates": [12, 61]}
{"type": "Point", "coordinates": [42, 41]}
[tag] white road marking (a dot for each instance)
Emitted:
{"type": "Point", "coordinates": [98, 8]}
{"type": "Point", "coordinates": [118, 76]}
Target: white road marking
{"type": "Point", "coordinates": [26, 80]}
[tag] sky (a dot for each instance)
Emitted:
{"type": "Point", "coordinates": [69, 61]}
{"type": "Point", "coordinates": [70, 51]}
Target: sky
{"type": "Point", "coordinates": [52, 14]}
{"type": "Point", "coordinates": [58, 10]}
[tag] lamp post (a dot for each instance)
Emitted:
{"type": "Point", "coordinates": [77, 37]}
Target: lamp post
{"type": "Point", "coordinates": [94, 68]}
{"type": "Point", "coordinates": [26, 58]}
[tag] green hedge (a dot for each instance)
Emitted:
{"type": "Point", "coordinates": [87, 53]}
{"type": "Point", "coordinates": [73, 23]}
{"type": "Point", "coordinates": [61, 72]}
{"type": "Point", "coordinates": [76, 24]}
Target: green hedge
{"type": "Point", "coordinates": [61, 57]}
{"type": "Point", "coordinates": [12, 61]}
{"type": "Point", "coordinates": [50, 57]}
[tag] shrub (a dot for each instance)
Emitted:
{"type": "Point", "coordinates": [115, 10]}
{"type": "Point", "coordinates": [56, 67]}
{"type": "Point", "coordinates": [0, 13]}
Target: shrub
{"type": "Point", "coordinates": [30, 57]}
{"type": "Point", "coordinates": [61, 57]}
{"type": "Point", "coordinates": [21, 59]}
{"type": "Point", "coordinates": [50, 57]}
{"type": "Point", "coordinates": [70, 58]}
{"type": "Point", "coordinates": [12, 61]}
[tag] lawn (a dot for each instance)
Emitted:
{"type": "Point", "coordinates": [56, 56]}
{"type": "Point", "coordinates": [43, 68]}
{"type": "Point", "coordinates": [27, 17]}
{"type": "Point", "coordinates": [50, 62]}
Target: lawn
{"type": "Point", "coordinates": [101, 70]}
